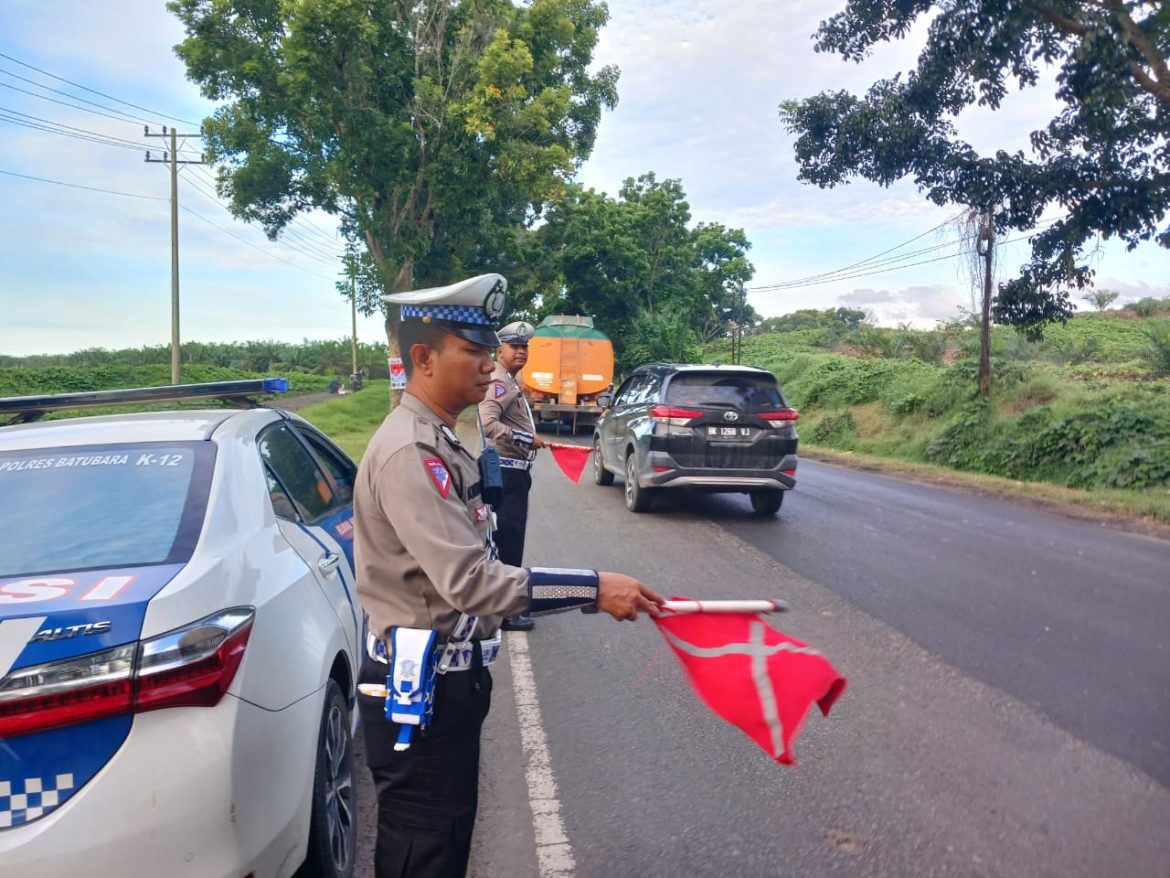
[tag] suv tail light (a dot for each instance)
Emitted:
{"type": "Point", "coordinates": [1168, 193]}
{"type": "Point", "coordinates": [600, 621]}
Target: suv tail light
{"type": "Point", "coordinates": [192, 666]}
{"type": "Point", "coordinates": [780, 417]}
{"type": "Point", "coordinates": [664, 414]}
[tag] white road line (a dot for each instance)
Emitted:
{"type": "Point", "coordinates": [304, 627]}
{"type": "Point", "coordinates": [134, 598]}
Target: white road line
{"type": "Point", "coordinates": [554, 856]}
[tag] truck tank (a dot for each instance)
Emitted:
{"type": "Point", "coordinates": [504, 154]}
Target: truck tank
{"type": "Point", "coordinates": [569, 364]}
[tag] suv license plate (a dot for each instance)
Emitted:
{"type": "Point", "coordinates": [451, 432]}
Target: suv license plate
{"type": "Point", "coordinates": [729, 433]}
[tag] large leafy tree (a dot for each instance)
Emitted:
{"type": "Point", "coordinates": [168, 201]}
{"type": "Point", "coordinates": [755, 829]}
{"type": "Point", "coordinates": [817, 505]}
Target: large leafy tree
{"type": "Point", "coordinates": [1104, 158]}
{"type": "Point", "coordinates": [435, 128]}
{"type": "Point", "coordinates": [655, 284]}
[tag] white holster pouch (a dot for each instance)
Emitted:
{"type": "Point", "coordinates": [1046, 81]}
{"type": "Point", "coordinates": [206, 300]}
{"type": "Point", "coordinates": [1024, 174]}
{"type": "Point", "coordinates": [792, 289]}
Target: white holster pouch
{"type": "Point", "coordinates": [410, 686]}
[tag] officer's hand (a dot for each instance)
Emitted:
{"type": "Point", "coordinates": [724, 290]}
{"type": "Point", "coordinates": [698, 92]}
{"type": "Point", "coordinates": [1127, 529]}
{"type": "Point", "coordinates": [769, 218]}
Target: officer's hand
{"type": "Point", "coordinates": [622, 596]}
{"type": "Point", "coordinates": [537, 442]}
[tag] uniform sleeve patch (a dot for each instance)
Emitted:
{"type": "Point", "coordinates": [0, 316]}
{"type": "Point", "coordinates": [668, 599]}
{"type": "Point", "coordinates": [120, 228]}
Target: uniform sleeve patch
{"type": "Point", "coordinates": [439, 475]}
{"type": "Point", "coordinates": [498, 390]}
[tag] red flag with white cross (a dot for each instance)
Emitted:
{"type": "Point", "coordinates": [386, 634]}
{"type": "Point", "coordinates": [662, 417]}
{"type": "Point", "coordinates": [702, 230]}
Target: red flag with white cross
{"type": "Point", "coordinates": [752, 675]}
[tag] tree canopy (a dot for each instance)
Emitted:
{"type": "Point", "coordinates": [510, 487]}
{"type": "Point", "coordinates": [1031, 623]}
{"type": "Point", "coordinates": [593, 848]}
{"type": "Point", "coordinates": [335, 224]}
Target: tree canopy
{"type": "Point", "coordinates": [435, 128]}
{"type": "Point", "coordinates": [654, 283]}
{"type": "Point", "coordinates": [1104, 159]}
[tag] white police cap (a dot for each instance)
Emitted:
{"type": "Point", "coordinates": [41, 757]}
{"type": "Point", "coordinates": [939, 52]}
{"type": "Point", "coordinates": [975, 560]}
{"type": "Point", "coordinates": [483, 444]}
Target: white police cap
{"type": "Point", "coordinates": [467, 308]}
{"type": "Point", "coordinates": [517, 332]}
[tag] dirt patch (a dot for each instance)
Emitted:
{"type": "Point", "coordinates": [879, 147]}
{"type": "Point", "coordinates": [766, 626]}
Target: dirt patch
{"type": "Point", "coordinates": [296, 403]}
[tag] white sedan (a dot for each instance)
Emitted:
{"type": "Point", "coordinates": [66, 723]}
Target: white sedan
{"type": "Point", "coordinates": [179, 642]}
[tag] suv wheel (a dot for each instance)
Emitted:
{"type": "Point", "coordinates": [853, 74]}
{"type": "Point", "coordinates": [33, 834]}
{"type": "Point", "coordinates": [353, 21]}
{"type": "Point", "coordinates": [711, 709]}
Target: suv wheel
{"type": "Point", "coordinates": [637, 497]}
{"type": "Point", "coordinates": [601, 476]}
{"type": "Point", "coordinates": [767, 502]}
{"type": "Point", "coordinates": [333, 825]}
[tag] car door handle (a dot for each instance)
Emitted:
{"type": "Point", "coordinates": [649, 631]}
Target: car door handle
{"type": "Point", "coordinates": [329, 563]}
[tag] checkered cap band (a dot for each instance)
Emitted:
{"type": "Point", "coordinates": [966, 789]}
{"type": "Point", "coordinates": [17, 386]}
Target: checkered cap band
{"type": "Point", "coordinates": [454, 313]}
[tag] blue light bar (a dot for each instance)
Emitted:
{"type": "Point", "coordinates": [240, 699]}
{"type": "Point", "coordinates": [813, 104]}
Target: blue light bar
{"type": "Point", "coordinates": [31, 407]}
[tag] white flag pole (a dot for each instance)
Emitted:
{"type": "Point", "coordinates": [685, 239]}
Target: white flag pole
{"type": "Point", "coordinates": [762, 606]}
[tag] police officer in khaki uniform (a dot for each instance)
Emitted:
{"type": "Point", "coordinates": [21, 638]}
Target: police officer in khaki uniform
{"type": "Point", "coordinates": [423, 565]}
{"type": "Point", "coordinates": [507, 424]}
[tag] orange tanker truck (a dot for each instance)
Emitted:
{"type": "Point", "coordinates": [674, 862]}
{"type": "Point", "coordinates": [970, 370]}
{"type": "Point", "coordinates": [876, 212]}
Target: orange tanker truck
{"type": "Point", "coordinates": [569, 364]}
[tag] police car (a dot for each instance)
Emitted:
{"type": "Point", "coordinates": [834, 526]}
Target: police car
{"type": "Point", "coordinates": [179, 640]}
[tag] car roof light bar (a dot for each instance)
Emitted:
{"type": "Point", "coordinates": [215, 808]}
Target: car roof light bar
{"type": "Point", "coordinates": [29, 408]}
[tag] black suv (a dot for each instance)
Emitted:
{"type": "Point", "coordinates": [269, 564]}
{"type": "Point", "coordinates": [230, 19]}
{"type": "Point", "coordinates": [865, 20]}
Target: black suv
{"type": "Point", "coordinates": [707, 428]}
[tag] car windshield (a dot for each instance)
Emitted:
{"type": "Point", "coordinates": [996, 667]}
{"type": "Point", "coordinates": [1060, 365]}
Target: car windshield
{"type": "Point", "coordinates": [100, 506]}
{"type": "Point", "coordinates": [747, 392]}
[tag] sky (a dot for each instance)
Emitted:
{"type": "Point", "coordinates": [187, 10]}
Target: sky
{"type": "Point", "coordinates": [700, 84]}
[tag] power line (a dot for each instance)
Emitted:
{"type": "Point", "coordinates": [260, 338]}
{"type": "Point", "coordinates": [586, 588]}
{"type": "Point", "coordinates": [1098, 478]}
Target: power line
{"type": "Point", "coordinates": [123, 117]}
{"type": "Point", "coordinates": [868, 273]}
{"type": "Point", "coordinates": [868, 267]}
{"type": "Point", "coordinates": [95, 91]}
{"type": "Point", "coordinates": [303, 250]}
{"type": "Point", "coordinates": [79, 186]}
{"type": "Point", "coordinates": [323, 237]}
{"type": "Point", "coordinates": [861, 262]}
{"type": "Point", "coordinates": [253, 246]}
{"type": "Point", "coordinates": [48, 125]}
{"type": "Point", "coordinates": [860, 274]}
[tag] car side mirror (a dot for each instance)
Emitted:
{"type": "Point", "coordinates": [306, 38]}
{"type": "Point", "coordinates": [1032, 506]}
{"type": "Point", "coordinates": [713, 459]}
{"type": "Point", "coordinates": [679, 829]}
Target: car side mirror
{"type": "Point", "coordinates": [605, 400]}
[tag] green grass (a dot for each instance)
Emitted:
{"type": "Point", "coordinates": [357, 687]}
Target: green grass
{"type": "Point", "coordinates": [1087, 409]}
{"type": "Point", "coordinates": [351, 420]}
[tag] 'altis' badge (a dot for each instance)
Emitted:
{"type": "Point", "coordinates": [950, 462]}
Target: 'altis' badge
{"type": "Point", "coordinates": [49, 634]}
{"type": "Point", "coordinates": [498, 390]}
{"type": "Point", "coordinates": [439, 475]}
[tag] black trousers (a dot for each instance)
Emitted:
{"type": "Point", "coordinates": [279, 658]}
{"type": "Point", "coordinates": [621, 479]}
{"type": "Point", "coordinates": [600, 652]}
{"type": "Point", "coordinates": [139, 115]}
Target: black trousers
{"type": "Point", "coordinates": [512, 516]}
{"type": "Point", "coordinates": [428, 794]}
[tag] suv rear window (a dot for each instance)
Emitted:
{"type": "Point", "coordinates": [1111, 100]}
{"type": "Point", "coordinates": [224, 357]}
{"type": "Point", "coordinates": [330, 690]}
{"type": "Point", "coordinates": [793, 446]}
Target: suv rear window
{"type": "Point", "coordinates": [101, 506]}
{"type": "Point", "coordinates": [745, 392]}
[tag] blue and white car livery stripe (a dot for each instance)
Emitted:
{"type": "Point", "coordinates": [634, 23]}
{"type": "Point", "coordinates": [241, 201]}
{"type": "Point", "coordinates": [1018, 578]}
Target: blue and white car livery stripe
{"type": "Point", "coordinates": [47, 618]}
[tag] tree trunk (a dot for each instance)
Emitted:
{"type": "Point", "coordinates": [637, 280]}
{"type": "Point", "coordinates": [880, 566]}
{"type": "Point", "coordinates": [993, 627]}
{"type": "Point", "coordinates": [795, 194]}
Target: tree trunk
{"type": "Point", "coordinates": [402, 281]}
{"type": "Point", "coordinates": [402, 276]}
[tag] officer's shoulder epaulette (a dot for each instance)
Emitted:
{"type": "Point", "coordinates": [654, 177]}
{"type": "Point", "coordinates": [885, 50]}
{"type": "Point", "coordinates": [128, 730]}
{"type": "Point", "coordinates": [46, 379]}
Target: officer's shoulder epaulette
{"type": "Point", "coordinates": [437, 436]}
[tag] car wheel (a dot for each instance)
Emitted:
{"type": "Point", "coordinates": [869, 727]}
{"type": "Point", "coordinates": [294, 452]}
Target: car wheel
{"type": "Point", "coordinates": [637, 497]}
{"type": "Point", "coordinates": [767, 502]}
{"type": "Point", "coordinates": [601, 476]}
{"type": "Point", "coordinates": [333, 824]}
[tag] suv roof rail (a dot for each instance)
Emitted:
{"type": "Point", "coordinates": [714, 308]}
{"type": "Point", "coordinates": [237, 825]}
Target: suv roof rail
{"type": "Point", "coordinates": [31, 408]}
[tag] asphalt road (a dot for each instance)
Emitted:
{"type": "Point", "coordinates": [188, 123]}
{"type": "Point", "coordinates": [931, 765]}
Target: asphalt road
{"type": "Point", "coordinates": [1007, 711]}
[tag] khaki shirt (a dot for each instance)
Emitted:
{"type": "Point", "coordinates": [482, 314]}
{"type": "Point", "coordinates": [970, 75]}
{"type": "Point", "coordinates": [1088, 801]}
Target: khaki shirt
{"type": "Point", "coordinates": [419, 541]}
{"type": "Point", "coordinates": [507, 421]}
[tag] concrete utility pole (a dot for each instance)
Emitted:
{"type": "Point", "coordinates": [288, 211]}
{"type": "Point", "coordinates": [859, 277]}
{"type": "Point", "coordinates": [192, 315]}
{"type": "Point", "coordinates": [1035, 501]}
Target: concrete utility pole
{"type": "Point", "coordinates": [353, 312]}
{"type": "Point", "coordinates": [172, 158]}
{"type": "Point", "coordinates": [986, 249]}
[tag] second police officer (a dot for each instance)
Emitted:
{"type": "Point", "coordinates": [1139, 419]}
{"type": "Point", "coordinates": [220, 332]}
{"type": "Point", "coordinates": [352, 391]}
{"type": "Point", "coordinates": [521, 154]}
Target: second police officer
{"type": "Point", "coordinates": [507, 424]}
{"type": "Point", "coordinates": [433, 594]}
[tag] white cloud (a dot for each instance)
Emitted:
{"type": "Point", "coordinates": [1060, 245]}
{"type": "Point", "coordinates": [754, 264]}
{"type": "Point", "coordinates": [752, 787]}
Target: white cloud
{"type": "Point", "coordinates": [700, 88]}
{"type": "Point", "coordinates": [921, 306]}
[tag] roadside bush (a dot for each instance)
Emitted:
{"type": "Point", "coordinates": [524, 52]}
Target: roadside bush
{"type": "Point", "coordinates": [1156, 355]}
{"type": "Point", "coordinates": [1149, 306]}
{"type": "Point", "coordinates": [835, 430]}
{"type": "Point", "coordinates": [74, 379]}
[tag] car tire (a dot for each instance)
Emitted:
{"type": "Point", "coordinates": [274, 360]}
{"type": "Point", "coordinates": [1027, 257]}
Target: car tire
{"type": "Point", "coordinates": [637, 497]}
{"type": "Point", "coordinates": [601, 476]}
{"type": "Point", "coordinates": [333, 823]}
{"type": "Point", "coordinates": [767, 502]}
